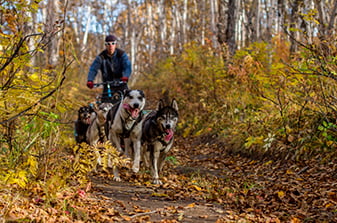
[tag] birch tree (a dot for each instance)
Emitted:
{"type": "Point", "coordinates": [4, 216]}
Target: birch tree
{"type": "Point", "coordinates": [52, 24]}
{"type": "Point", "coordinates": [150, 30]}
{"type": "Point", "coordinates": [231, 24]}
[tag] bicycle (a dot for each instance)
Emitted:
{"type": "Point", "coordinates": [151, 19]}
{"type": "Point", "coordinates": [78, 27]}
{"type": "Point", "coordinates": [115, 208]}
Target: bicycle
{"type": "Point", "coordinates": [113, 91]}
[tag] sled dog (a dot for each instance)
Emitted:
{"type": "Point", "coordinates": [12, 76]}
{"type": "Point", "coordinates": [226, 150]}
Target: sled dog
{"type": "Point", "coordinates": [85, 115]}
{"type": "Point", "coordinates": [125, 121]}
{"type": "Point", "coordinates": [158, 130]}
{"type": "Point", "coordinates": [96, 130]}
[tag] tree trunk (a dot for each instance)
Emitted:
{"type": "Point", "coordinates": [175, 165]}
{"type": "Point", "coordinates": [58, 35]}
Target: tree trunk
{"type": "Point", "coordinates": [293, 24]}
{"type": "Point", "coordinates": [231, 22]}
{"type": "Point", "coordinates": [51, 31]}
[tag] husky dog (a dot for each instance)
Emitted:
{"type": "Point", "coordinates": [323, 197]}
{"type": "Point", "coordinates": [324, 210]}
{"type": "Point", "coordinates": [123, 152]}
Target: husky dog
{"type": "Point", "coordinates": [158, 130]}
{"type": "Point", "coordinates": [85, 115]}
{"type": "Point", "coordinates": [96, 130]}
{"type": "Point", "coordinates": [125, 126]}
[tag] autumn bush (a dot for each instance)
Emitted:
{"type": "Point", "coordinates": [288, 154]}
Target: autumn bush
{"type": "Point", "coordinates": [265, 102]}
{"type": "Point", "coordinates": [38, 156]}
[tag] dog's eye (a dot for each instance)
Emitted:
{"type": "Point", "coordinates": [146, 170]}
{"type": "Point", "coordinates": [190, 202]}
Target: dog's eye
{"type": "Point", "coordinates": [140, 98]}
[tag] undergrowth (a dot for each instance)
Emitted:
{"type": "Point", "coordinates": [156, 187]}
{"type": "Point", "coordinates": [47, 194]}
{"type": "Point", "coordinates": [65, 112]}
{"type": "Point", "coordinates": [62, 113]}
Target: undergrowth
{"type": "Point", "coordinates": [265, 103]}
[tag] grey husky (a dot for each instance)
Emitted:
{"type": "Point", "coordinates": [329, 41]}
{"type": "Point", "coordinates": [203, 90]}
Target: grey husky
{"type": "Point", "coordinates": [125, 121]}
{"type": "Point", "coordinates": [96, 131]}
{"type": "Point", "coordinates": [158, 136]}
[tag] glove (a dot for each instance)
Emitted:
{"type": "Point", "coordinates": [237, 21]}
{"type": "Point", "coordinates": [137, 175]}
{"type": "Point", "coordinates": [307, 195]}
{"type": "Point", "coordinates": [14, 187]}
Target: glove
{"type": "Point", "coordinates": [124, 79]}
{"type": "Point", "coordinates": [90, 84]}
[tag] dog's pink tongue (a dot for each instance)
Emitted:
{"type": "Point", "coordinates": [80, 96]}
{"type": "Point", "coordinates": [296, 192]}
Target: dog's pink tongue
{"type": "Point", "coordinates": [169, 135]}
{"type": "Point", "coordinates": [135, 113]}
{"type": "Point", "coordinates": [87, 120]}
{"type": "Point", "coordinates": [126, 106]}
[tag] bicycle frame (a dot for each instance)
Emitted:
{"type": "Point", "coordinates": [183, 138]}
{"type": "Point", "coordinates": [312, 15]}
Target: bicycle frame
{"type": "Point", "coordinates": [113, 91]}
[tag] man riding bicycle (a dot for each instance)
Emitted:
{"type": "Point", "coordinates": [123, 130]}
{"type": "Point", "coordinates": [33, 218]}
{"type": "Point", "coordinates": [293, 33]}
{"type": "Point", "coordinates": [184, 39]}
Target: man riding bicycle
{"type": "Point", "coordinates": [114, 65]}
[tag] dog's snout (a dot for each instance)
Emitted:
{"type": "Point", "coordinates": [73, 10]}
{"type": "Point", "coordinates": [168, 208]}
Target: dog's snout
{"type": "Point", "coordinates": [135, 105]}
{"type": "Point", "coordinates": [167, 126]}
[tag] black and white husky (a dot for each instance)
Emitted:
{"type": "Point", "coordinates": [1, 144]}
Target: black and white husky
{"type": "Point", "coordinates": [125, 127]}
{"type": "Point", "coordinates": [158, 135]}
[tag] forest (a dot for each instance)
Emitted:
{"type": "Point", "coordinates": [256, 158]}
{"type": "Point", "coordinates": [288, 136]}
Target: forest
{"type": "Point", "coordinates": [255, 82]}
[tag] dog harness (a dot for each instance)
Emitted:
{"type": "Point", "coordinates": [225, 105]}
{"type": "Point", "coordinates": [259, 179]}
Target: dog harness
{"type": "Point", "coordinates": [126, 132]}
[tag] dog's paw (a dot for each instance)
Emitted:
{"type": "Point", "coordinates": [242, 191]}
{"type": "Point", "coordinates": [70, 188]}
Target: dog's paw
{"type": "Point", "coordinates": [157, 181]}
{"type": "Point", "coordinates": [117, 179]}
{"type": "Point", "coordinates": [135, 169]}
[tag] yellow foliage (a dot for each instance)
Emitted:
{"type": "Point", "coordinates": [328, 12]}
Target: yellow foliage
{"type": "Point", "coordinates": [251, 140]}
{"type": "Point", "coordinates": [16, 177]}
{"type": "Point", "coordinates": [86, 157]}
{"type": "Point", "coordinates": [33, 165]}
{"type": "Point", "coordinates": [110, 155]}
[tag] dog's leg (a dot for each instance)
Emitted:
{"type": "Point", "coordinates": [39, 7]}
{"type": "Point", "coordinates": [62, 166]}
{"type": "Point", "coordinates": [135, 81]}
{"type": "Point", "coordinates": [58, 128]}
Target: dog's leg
{"type": "Point", "coordinates": [154, 163]}
{"type": "Point", "coordinates": [116, 141]}
{"type": "Point", "coordinates": [136, 153]}
{"type": "Point", "coordinates": [116, 174]}
{"type": "Point", "coordinates": [161, 161]}
{"type": "Point", "coordinates": [127, 147]}
{"type": "Point", "coordinates": [145, 155]}
{"type": "Point", "coordinates": [162, 157]}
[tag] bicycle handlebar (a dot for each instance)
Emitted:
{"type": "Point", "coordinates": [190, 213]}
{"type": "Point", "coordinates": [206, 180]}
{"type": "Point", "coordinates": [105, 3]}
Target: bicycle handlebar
{"type": "Point", "coordinates": [115, 83]}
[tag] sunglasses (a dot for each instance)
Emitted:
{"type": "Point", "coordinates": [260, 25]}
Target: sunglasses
{"type": "Point", "coordinates": [110, 43]}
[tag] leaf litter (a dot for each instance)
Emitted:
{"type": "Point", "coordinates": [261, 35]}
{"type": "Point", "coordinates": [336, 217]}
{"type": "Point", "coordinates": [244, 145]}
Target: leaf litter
{"type": "Point", "coordinates": [203, 184]}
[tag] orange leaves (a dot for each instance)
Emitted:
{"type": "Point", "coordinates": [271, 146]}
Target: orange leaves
{"type": "Point", "coordinates": [159, 195]}
{"type": "Point", "coordinates": [196, 187]}
{"type": "Point", "coordinates": [206, 186]}
{"type": "Point", "coordinates": [280, 194]}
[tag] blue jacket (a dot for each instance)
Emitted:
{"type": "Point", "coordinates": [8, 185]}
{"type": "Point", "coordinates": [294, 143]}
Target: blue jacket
{"type": "Point", "coordinates": [112, 67]}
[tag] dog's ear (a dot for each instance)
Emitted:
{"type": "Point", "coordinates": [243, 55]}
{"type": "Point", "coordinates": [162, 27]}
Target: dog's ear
{"type": "Point", "coordinates": [174, 104]}
{"type": "Point", "coordinates": [141, 93]}
{"type": "Point", "coordinates": [126, 92]}
{"type": "Point", "coordinates": [160, 105]}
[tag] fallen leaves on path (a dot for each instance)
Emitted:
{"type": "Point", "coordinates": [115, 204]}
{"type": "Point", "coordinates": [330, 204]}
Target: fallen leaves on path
{"type": "Point", "coordinates": [201, 184]}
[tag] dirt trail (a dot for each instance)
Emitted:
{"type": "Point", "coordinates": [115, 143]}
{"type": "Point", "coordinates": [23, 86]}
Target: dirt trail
{"type": "Point", "coordinates": [140, 203]}
{"type": "Point", "coordinates": [137, 200]}
{"type": "Point", "coordinates": [204, 184]}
